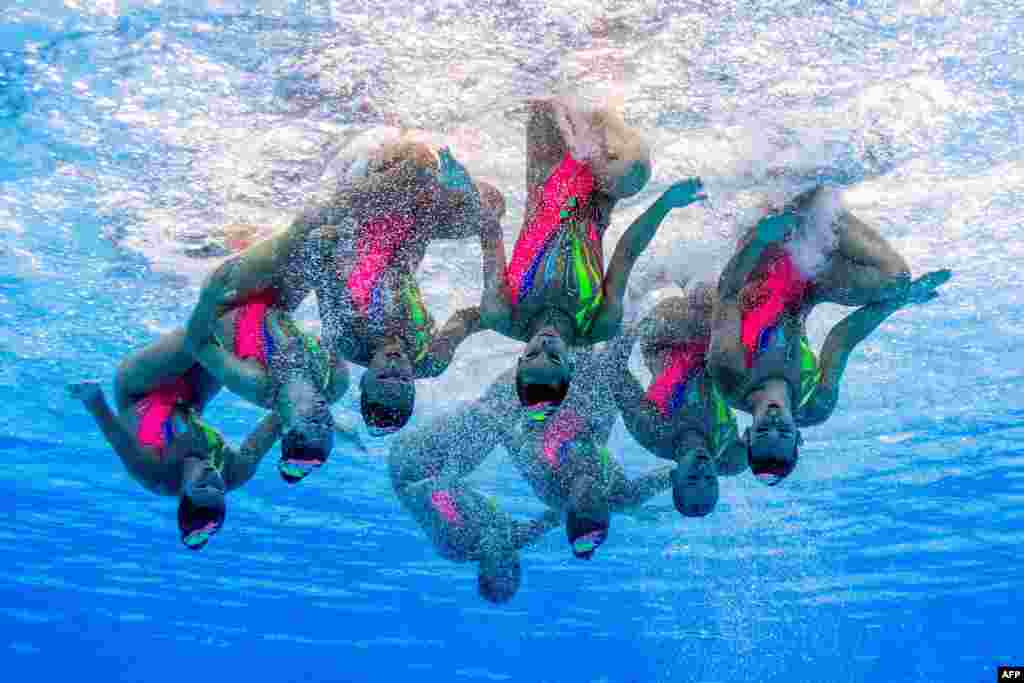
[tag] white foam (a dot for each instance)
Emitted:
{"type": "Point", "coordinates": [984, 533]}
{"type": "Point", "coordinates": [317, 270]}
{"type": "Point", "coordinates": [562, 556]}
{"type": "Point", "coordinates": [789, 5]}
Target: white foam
{"type": "Point", "coordinates": [818, 237]}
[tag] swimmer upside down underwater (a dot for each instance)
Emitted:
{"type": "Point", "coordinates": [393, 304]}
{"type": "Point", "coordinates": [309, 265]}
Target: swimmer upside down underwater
{"type": "Point", "coordinates": [738, 344]}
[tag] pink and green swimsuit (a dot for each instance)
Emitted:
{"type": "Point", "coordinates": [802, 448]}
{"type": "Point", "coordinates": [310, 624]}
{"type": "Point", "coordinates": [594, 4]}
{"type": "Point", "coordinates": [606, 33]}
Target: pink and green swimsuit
{"type": "Point", "coordinates": [561, 245]}
{"type": "Point", "coordinates": [781, 291]}
{"type": "Point", "coordinates": [377, 252]}
{"type": "Point", "coordinates": [683, 383]}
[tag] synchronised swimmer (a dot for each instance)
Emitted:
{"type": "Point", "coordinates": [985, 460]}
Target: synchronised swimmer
{"type": "Point", "coordinates": [736, 344]}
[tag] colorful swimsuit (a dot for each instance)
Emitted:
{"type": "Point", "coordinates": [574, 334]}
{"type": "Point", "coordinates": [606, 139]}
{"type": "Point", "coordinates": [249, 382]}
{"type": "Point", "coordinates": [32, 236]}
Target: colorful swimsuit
{"type": "Point", "coordinates": [376, 251]}
{"type": "Point", "coordinates": [684, 382]}
{"type": "Point", "coordinates": [782, 290]}
{"type": "Point", "coordinates": [156, 413]}
{"type": "Point", "coordinates": [252, 338]}
{"type": "Point", "coordinates": [561, 245]}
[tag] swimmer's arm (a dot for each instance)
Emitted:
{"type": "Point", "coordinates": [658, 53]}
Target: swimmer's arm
{"type": "Point", "coordinates": [241, 377]}
{"type": "Point", "coordinates": [461, 325]}
{"type": "Point", "coordinates": [840, 343]}
{"type": "Point", "coordinates": [340, 381]}
{"type": "Point", "coordinates": [243, 465]}
{"type": "Point", "coordinates": [638, 491]}
{"type": "Point", "coordinates": [639, 414]}
{"type": "Point", "coordinates": [628, 250]}
{"type": "Point", "coordinates": [525, 534]}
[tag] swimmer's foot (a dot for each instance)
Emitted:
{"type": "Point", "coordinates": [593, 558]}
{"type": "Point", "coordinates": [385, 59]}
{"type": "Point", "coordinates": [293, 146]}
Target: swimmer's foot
{"type": "Point", "coordinates": [922, 290]}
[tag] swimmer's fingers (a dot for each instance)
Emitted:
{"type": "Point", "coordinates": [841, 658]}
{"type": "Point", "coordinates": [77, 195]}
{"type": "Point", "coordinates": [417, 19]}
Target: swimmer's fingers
{"type": "Point", "coordinates": [922, 290]}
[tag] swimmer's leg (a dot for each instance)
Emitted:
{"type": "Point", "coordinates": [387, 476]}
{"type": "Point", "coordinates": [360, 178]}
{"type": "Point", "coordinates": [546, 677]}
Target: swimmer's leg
{"type": "Point", "coordinates": [153, 473]}
{"type": "Point", "coordinates": [864, 269]}
{"type": "Point", "coordinates": [150, 367]}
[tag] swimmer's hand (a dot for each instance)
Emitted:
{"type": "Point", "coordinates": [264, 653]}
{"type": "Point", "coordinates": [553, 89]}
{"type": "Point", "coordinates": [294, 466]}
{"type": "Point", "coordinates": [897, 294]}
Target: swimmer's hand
{"type": "Point", "coordinates": [454, 175]}
{"type": "Point", "coordinates": [922, 290]}
{"type": "Point", "coordinates": [86, 391]}
{"type": "Point", "coordinates": [684, 193]}
{"type": "Point", "coordinates": [222, 284]}
{"type": "Point", "coordinates": [775, 228]}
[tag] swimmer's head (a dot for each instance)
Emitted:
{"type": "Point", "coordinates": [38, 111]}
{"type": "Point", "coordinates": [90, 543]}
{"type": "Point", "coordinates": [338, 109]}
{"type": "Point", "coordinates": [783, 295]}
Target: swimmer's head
{"type": "Point", "coordinates": [588, 516]}
{"type": "Point", "coordinates": [388, 390]}
{"type": "Point", "coordinates": [628, 166]}
{"type": "Point", "coordinates": [544, 370]}
{"type": "Point", "coordinates": [695, 480]}
{"type": "Point", "coordinates": [307, 450]}
{"type": "Point", "coordinates": [773, 442]}
{"type": "Point", "coordinates": [201, 509]}
{"type": "Point", "coordinates": [499, 576]}
{"type": "Point", "coordinates": [301, 402]}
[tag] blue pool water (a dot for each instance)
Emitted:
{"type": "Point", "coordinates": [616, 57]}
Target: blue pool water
{"type": "Point", "coordinates": [130, 130]}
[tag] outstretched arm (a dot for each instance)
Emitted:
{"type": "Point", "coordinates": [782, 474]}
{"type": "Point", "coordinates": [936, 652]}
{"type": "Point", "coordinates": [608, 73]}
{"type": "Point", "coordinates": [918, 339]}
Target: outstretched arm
{"type": "Point", "coordinates": [243, 465]}
{"type": "Point", "coordinates": [641, 417]}
{"type": "Point", "coordinates": [527, 533]}
{"type": "Point", "coordinates": [246, 379]}
{"type": "Point", "coordinates": [852, 330]}
{"type": "Point", "coordinates": [630, 247]}
{"type": "Point", "coordinates": [636, 492]}
{"type": "Point", "coordinates": [439, 356]}
{"type": "Point", "coordinates": [459, 441]}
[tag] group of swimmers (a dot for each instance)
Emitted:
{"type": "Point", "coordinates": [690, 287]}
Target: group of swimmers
{"type": "Point", "coordinates": [738, 344]}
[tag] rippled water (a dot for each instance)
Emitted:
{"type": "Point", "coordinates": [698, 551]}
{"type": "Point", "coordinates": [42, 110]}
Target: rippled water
{"type": "Point", "coordinates": [131, 130]}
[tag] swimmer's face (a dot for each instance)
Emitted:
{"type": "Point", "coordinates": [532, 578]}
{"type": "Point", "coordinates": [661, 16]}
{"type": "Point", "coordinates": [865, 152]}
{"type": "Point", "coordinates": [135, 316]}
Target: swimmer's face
{"type": "Point", "coordinates": [302, 407]}
{"type": "Point", "coordinates": [203, 485]}
{"type": "Point", "coordinates": [695, 483]}
{"type": "Point", "coordinates": [499, 577]}
{"type": "Point", "coordinates": [772, 443]}
{"type": "Point", "coordinates": [545, 360]}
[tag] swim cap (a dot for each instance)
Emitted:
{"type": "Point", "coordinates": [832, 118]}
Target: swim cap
{"type": "Point", "coordinates": [532, 394]}
{"type": "Point", "coordinates": [585, 535]}
{"type": "Point", "coordinates": [197, 524]}
{"type": "Point", "coordinates": [300, 456]}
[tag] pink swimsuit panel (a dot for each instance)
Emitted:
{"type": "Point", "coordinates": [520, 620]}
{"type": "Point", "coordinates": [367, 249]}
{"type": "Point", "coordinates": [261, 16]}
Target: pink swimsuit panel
{"type": "Point", "coordinates": [685, 360]}
{"type": "Point", "coordinates": [571, 178]}
{"type": "Point", "coordinates": [781, 288]}
{"type": "Point", "coordinates": [378, 243]}
{"type": "Point", "coordinates": [156, 410]}
{"type": "Point", "coordinates": [251, 338]}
